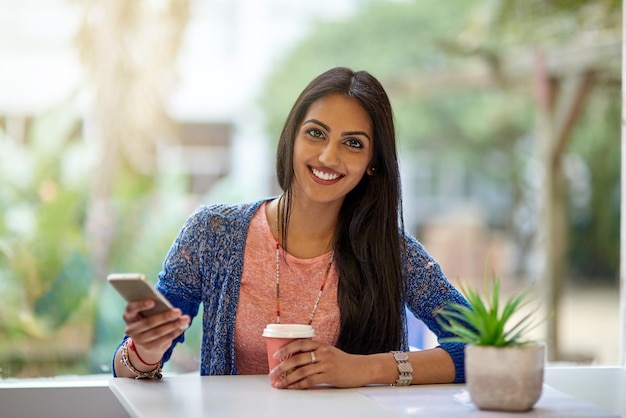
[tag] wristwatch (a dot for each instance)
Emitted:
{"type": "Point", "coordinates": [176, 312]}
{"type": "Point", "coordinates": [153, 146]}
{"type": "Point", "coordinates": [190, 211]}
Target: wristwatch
{"type": "Point", "coordinates": [404, 368]}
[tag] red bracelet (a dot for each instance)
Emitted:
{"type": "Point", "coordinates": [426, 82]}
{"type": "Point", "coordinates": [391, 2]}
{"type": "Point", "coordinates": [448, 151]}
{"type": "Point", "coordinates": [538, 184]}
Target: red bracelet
{"type": "Point", "coordinates": [132, 347]}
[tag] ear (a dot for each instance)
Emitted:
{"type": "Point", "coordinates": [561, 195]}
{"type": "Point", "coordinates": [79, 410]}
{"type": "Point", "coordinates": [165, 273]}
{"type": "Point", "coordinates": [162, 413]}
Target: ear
{"type": "Point", "coordinates": [371, 170]}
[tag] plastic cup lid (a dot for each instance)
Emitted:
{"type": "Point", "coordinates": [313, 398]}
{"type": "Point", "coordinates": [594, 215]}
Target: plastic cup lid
{"type": "Point", "coordinates": [288, 331]}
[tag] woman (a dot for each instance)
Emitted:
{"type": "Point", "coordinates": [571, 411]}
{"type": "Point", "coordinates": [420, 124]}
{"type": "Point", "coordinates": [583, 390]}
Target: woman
{"type": "Point", "coordinates": [330, 251]}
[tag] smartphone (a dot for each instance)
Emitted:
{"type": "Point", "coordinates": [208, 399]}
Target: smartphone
{"type": "Point", "coordinates": [134, 286]}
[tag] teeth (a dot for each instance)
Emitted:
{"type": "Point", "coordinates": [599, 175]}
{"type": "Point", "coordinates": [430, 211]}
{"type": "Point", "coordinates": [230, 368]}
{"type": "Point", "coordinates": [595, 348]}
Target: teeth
{"type": "Point", "coordinates": [325, 176]}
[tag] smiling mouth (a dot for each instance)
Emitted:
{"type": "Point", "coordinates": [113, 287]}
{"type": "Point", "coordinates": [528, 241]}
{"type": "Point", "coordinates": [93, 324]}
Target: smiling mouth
{"type": "Point", "coordinates": [325, 176]}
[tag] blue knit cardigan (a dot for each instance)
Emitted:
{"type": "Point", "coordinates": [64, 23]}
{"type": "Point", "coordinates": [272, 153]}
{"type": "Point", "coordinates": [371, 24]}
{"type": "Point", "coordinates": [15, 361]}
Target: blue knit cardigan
{"type": "Point", "coordinates": [204, 265]}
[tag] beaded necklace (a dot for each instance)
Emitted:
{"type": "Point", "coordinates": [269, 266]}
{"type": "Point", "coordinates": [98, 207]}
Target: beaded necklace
{"type": "Point", "coordinates": [324, 280]}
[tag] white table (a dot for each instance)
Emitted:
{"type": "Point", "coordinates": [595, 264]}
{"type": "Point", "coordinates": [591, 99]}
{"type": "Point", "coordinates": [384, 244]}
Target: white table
{"type": "Point", "coordinates": [569, 391]}
{"type": "Point", "coordinates": [59, 397]}
{"type": "Point", "coordinates": [602, 386]}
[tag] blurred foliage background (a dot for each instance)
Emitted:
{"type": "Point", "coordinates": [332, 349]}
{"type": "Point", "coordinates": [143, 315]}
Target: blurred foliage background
{"type": "Point", "coordinates": [83, 194]}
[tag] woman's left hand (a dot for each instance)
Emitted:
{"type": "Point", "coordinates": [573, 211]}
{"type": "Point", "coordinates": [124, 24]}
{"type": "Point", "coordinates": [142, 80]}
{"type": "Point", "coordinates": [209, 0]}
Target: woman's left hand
{"type": "Point", "coordinates": [310, 363]}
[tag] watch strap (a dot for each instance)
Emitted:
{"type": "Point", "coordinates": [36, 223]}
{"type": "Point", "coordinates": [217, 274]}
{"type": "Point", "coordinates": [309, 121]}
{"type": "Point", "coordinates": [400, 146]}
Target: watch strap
{"type": "Point", "coordinates": [405, 369]}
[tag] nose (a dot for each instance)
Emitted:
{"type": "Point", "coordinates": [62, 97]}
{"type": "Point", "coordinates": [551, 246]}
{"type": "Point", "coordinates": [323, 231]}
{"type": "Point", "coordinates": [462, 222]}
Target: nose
{"type": "Point", "coordinates": [329, 154]}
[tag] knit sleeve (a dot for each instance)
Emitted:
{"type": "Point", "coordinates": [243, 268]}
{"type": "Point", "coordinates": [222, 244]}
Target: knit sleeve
{"type": "Point", "coordinates": [427, 291]}
{"type": "Point", "coordinates": [180, 279]}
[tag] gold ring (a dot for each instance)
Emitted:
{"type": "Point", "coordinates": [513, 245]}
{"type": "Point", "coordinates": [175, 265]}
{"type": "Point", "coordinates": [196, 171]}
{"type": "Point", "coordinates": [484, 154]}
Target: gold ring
{"type": "Point", "coordinates": [313, 359]}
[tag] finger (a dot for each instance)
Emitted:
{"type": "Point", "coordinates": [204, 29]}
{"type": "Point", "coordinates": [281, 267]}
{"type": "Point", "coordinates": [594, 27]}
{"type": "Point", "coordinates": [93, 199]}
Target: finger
{"type": "Point", "coordinates": [302, 377]}
{"type": "Point", "coordinates": [160, 338]}
{"type": "Point", "coordinates": [133, 309]}
{"type": "Point", "coordinates": [159, 323]}
{"type": "Point", "coordinates": [294, 365]}
{"type": "Point", "coordinates": [160, 344]}
{"type": "Point", "coordinates": [296, 346]}
{"type": "Point", "coordinates": [306, 383]}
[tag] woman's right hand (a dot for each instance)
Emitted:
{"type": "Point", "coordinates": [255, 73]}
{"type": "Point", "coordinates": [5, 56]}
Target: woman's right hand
{"type": "Point", "coordinates": [152, 335]}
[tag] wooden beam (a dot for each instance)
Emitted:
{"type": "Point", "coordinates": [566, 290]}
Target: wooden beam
{"type": "Point", "coordinates": [576, 89]}
{"type": "Point", "coordinates": [550, 227]}
{"type": "Point", "coordinates": [623, 203]}
{"type": "Point", "coordinates": [512, 68]}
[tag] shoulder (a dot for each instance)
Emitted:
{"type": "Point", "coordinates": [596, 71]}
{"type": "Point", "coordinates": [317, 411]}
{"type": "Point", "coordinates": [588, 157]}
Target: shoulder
{"type": "Point", "coordinates": [416, 260]}
{"type": "Point", "coordinates": [413, 248]}
{"type": "Point", "coordinates": [208, 222]}
{"type": "Point", "coordinates": [224, 213]}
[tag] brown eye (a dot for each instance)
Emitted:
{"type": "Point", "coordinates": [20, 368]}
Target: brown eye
{"type": "Point", "coordinates": [316, 133]}
{"type": "Point", "coordinates": [354, 143]}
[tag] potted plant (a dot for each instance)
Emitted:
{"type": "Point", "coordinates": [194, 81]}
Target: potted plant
{"type": "Point", "coordinates": [503, 370]}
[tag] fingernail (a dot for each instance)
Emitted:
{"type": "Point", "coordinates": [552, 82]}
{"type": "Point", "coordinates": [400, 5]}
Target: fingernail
{"type": "Point", "coordinates": [183, 326]}
{"type": "Point", "coordinates": [277, 383]}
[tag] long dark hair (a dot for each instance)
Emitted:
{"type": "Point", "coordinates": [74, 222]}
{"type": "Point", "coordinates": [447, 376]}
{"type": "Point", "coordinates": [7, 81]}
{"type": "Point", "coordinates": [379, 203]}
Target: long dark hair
{"type": "Point", "coordinates": [367, 238]}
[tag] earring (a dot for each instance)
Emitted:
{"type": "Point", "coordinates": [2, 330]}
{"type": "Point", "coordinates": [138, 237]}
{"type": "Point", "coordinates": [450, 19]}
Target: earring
{"type": "Point", "coordinates": [371, 171]}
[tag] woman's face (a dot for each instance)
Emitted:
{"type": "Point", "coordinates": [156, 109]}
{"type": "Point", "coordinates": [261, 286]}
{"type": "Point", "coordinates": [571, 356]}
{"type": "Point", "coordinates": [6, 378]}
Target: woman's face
{"type": "Point", "coordinates": [333, 149]}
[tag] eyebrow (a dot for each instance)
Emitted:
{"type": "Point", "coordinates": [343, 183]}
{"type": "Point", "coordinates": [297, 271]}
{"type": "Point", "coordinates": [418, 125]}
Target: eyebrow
{"type": "Point", "coordinates": [323, 125]}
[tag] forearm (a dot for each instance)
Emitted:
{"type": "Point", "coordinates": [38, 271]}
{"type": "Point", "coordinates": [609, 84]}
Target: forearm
{"type": "Point", "coordinates": [429, 367]}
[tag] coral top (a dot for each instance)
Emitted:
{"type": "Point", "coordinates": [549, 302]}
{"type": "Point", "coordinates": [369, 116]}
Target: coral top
{"type": "Point", "coordinates": [204, 267]}
{"type": "Point", "coordinates": [300, 281]}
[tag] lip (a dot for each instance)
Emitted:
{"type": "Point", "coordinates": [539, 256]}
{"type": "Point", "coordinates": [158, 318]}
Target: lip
{"type": "Point", "coordinates": [322, 181]}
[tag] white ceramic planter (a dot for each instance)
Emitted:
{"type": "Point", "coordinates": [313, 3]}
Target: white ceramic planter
{"type": "Point", "coordinates": [505, 378]}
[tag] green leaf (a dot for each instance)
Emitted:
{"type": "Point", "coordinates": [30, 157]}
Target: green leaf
{"type": "Point", "coordinates": [486, 321]}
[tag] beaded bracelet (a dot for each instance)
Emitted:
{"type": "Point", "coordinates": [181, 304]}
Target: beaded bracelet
{"type": "Point", "coordinates": [151, 374]}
